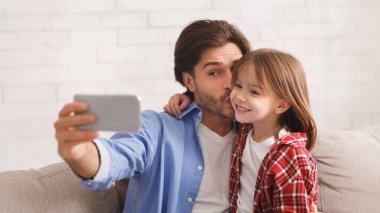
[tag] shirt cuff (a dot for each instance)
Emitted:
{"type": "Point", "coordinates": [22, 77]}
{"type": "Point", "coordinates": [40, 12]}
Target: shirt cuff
{"type": "Point", "coordinates": [102, 173]}
{"type": "Point", "coordinates": [104, 160]}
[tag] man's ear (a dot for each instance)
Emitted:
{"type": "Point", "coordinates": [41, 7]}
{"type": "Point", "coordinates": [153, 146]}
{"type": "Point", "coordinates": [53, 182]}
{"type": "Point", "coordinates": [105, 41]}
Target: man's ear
{"type": "Point", "coordinates": [282, 106]}
{"type": "Point", "coordinates": [188, 80]}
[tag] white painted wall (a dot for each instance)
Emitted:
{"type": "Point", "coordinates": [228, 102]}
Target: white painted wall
{"type": "Point", "coordinates": [52, 49]}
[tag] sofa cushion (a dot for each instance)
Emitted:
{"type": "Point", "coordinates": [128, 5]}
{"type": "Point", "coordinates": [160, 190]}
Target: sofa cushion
{"type": "Point", "coordinates": [348, 165]}
{"type": "Point", "coordinates": [52, 189]}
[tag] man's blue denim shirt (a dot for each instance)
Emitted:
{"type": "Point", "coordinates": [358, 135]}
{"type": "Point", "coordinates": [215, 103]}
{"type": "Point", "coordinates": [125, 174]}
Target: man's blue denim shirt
{"type": "Point", "coordinates": [164, 162]}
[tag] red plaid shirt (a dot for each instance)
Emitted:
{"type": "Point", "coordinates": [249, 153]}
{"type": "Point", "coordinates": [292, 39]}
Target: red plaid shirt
{"type": "Point", "coordinates": [287, 179]}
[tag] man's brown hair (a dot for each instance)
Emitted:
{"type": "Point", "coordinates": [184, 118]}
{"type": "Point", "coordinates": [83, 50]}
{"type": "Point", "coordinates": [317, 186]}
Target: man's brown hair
{"type": "Point", "coordinates": [199, 36]}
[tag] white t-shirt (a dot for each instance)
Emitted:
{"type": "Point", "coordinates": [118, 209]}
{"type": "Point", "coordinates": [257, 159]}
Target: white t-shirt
{"type": "Point", "coordinates": [213, 195]}
{"type": "Point", "coordinates": [253, 154]}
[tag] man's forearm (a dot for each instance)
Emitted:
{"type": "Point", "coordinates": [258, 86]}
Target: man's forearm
{"type": "Point", "coordinates": [88, 165]}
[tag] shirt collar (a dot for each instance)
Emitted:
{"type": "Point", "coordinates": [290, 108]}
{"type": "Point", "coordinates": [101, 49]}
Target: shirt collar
{"type": "Point", "coordinates": [190, 109]}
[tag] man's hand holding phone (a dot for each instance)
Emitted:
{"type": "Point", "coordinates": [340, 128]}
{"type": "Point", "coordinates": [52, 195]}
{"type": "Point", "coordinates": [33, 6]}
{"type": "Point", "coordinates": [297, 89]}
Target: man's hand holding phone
{"type": "Point", "coordinates": [79, 122]}
{"type": "Point", "coordinates": [75, 146]}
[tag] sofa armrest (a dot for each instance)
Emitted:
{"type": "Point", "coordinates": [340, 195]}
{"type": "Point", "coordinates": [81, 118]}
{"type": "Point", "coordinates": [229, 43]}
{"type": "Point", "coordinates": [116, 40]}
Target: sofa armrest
{"type": "Point", "coordinates": [52, 189]}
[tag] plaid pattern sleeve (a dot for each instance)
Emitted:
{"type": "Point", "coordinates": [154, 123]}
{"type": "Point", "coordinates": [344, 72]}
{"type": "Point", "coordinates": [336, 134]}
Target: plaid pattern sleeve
{"type": "Point", "coordinates": [237, 154]}
{"type": "Point", "coordinates": [287, 179]}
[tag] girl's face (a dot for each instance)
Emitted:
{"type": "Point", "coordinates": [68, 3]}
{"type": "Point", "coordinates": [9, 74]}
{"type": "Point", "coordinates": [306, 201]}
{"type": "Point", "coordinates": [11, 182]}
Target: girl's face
{"type": "Point", "coordinates": [253, 103]}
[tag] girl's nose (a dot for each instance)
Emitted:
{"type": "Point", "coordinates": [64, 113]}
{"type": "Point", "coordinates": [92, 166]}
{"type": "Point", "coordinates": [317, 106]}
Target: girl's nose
{"type": "Point", "coordinates": [240, 96]}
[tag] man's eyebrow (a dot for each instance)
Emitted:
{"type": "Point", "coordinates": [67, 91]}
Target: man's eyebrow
{"type": "Point", "coordinates": [218, 63]}
{"type": "Point", "coordinates": [212, 63]}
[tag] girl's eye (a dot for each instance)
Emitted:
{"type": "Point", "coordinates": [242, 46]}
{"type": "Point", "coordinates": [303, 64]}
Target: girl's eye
{"type": "Point", "coordinates": [254, 92]}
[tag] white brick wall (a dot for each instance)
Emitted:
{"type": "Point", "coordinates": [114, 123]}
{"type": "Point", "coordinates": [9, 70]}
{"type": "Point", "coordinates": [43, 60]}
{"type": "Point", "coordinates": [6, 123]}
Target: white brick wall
{"type": "Point", "coordinates": [29, 94]}
{"type": "Point", "coordinates": [21, 22]}
{"type": "Point", "coordinates": [66, 92]}
{"type": "Point", "coordinates": [8, 40]}
{"type": "Point", "coordinates": [91, 38]}
{"type": "Point", "coordinates": [33, 75]}
{"type": "Point", "coordinates": [28, 111]}
{"type": "Point", "coordinates": [51, 50]}
{"type": "Point", "coordinates": [43, 39]}
{"type": "Point", "coordinates": [121, 54]}
{"type": "Point", "coordinates": [153, 5]}
{"type": "Point", "coordinates": [75, 21]}
{"type": "Point", "coordinates": [120, 20]}
{"type": "Point", "coordinates": [177, 18]}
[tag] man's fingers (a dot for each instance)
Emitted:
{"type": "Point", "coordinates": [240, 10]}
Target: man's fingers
{"type": "Point", "coordinates": [76, 136]}
{"type": "Point", "coordinates": [73, 107]}
{"type": "Point", "coordinates": [70, 121]}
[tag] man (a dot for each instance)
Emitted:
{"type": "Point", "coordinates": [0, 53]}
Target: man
{"type": "Point", "coordinates": [174, 165]}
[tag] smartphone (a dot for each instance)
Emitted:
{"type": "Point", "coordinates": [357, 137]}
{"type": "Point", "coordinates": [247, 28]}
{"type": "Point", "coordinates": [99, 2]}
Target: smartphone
{"type": "Point", "coordinates": [116, 113]}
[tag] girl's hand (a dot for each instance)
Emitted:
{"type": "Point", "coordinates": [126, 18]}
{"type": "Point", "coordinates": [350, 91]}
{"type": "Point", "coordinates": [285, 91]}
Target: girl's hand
{"type": "Point", "coordinates": [176, 104]}
{"type": "Point", "coordinates": [315, 208]}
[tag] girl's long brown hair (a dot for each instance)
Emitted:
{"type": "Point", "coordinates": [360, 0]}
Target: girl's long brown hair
{"type": "Point", "coordinates": [286, 76]}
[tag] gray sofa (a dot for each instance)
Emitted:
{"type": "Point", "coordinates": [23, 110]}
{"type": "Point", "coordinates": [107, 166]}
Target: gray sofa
{"type": "Point", "coordinates": [53, 189]}
{"type": "Point", "coordinates": [348, 180]}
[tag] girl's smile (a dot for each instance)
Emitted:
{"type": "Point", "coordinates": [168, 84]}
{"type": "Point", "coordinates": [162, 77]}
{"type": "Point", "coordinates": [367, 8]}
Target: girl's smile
{"type": "Point", "coordinates": [240, 109]}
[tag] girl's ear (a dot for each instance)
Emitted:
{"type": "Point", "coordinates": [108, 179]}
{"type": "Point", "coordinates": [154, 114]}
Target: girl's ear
{"type": "Point", "coordinates": [282, 106]}
{"type": "Point", "coordinates": [188, 80]}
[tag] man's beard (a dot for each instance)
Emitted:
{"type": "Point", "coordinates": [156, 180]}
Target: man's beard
{"type": "Point", "coordinates": [215, 105]}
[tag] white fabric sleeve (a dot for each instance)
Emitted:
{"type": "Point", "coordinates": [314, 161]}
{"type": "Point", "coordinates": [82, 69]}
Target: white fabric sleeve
{"type": "Point", "coordinates": [105, 163]}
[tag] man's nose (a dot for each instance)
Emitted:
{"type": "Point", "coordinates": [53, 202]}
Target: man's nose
{"type": "Point", "coordinates": [228, 80]}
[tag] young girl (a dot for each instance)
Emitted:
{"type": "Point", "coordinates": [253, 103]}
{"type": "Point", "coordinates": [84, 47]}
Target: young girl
{"type": "Point", "coordinates": [271, 167]}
